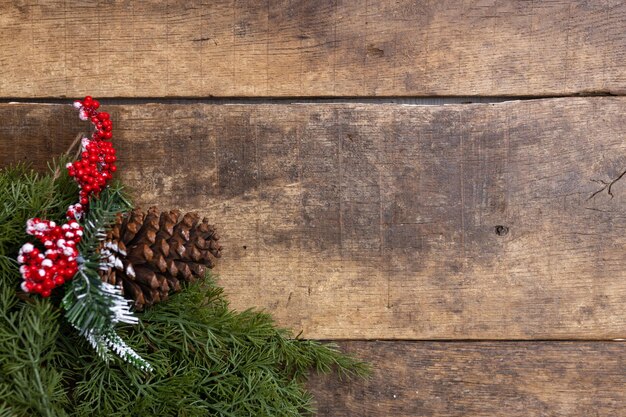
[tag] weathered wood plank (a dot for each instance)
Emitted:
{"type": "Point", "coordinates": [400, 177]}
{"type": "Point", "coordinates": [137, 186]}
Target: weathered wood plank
{"type": "Point", "coordinates": [361, 221]}
{"type": "Point", "coordinates": [274, 48]}
{"type": "Point", "coordinates": [426, 379]}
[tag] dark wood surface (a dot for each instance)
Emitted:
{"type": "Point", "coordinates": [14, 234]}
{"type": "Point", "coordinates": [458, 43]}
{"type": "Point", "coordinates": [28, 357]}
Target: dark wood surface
{"type": "Point", "coordinates": [497, 227]}
{"type": "Point", "coordinates": [388, 221]}
{"type": "Point", "coordinates": [480, 379]}
{"type": "Point", "coordinates": [312, 48]}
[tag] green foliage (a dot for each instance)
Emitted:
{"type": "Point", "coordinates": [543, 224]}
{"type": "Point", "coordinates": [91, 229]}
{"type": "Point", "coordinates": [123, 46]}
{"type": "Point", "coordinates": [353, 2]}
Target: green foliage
{"type": "Point", "coordinates": [28, 329]}
{"type": "Point", "coordinates": [208, 360]}
{"type": "Point", "coordinates": [24, 193]}
{"type": "Point", "coordinates": [94, 307]}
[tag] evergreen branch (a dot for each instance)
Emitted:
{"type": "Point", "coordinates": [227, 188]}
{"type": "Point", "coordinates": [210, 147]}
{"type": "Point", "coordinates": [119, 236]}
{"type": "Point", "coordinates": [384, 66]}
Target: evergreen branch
{"type": "Point", "coordinates": [94, 307]}
{"type": "Point", "coordinates": [102, 213]}
{"type": "Point", "coordinates": [119, 346]}
{"type": "Point", "coordinates": [207, 359]}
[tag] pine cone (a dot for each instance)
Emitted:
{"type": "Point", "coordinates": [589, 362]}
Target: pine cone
{"type": "Point", "coordinates": [151, 253]}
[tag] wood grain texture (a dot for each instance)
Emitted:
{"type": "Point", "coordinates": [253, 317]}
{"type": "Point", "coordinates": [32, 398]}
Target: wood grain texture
{"type": "Point", "coordinates": [382, 221]}
{"type": "Point", "coordinates": [225, 48]}
{"type": "Point", "coordinates": [527, 379]}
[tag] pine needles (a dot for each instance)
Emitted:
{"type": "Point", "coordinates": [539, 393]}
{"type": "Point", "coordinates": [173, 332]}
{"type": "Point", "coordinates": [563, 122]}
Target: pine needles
{"type": "Point", "coordinates": [208, 360]}
{"type": "Point", "coordinates": [94, 307]}
{"type": "Point", "coordinates": [28, 330]}
{"type": "Point", "coordinates": [23, 193]}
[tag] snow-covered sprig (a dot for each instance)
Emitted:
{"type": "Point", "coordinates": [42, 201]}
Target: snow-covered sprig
{"type": "Point", "coordinates": [110, 340]}
{"type": "Point", "coordinates": [120, 306]}
{"type": "Point", "coordinates": [94, 307]}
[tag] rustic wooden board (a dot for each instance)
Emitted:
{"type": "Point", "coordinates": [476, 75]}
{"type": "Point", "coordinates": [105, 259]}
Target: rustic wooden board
{"type": "Point", "coordinates": [267, 48]}
{"type": "Point", "coordinates": [381, 221]}
{"type": "Point", "coordinates": [525, 379]}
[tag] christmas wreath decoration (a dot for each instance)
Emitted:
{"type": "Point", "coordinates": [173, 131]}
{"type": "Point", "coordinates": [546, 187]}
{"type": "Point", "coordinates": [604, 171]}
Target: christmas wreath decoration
{"type": "Point", "coordinates": [106, 309]}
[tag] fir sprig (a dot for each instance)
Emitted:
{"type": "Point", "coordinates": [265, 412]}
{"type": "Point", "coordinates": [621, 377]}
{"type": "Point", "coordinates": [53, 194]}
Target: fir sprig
{"type": "Point", "coordinates": [92, 306]}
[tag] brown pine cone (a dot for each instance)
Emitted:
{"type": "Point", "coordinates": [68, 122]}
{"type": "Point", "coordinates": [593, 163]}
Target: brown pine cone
{"type": "Point", "coordinates": [151, 253]}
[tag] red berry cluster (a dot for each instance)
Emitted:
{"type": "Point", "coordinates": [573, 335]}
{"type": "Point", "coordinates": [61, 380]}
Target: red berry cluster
{"type": "Point", "coordinates": [44, 271]}
{"type": "Point", "coordinates": [97, 163]}
{"type": "Point", "coordinates": [75, 211]}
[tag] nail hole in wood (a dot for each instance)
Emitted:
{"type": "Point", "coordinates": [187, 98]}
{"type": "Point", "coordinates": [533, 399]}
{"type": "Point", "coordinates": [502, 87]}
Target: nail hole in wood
{"type": "Point", "coordinates": [502, 230]}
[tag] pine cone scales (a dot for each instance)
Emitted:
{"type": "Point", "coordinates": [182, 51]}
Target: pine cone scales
{"type": "Point", "coordinates": [151, 253]}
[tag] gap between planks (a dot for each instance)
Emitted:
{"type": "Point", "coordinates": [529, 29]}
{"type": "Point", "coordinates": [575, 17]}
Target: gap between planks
{"type": "Point", "coordinates": [420, 101]}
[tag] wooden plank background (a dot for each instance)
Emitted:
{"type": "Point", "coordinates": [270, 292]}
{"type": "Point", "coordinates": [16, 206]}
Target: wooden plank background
{"type": "Point", "coordinates": [486, 379]}
{"type": "Point", "coordinates": [314, 48]}
{"type": "Point", "coordinates": [386, 227]}
{"type": "Point", "coordinates": [384, 221]}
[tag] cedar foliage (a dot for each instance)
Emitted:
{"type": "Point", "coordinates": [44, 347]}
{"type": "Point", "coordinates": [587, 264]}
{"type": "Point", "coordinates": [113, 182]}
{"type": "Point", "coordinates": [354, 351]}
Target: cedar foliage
{"type": "Point", "coordinates": [208, 360]}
